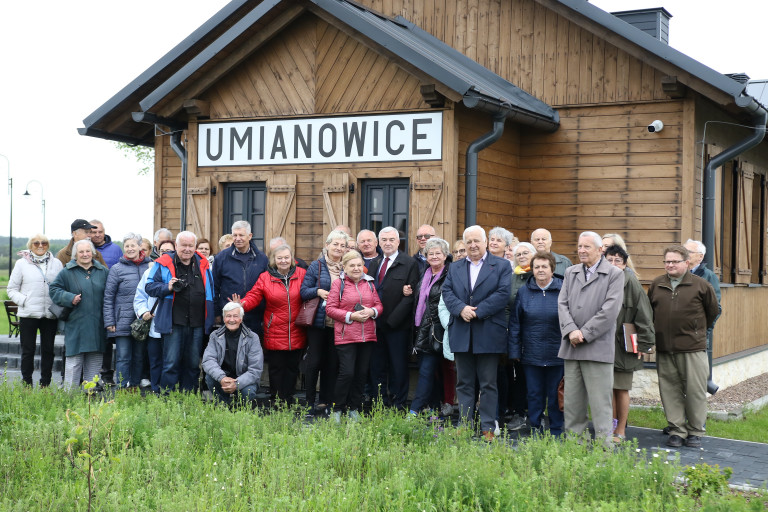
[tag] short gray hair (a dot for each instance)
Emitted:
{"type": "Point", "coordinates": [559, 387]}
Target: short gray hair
{"type": "Point", "coordinates": [278, 240]}
{"type": "Point", "coordinates": [526, 245]}
{"type": "Point", "coordinates": [387, 230]}
{"type": "Point", "coordinates": [700, 247]}
{"type": "Point", "coordinates": [241, 224]}
{"type": "Point", "coordinates": [233, 305]}
{"type": "Point", "coordinates": [337, 234]}
{"type": "Point", "coordinates": [594, 236]}
{"type": "Point", "coordinates": [132, 236]}
{"type": "Point", "coordinates": [439, 243]}
{"type": "Point", "coordinates": [365, 231]}
{"type": "Point", "coordinates": [186, 234]}
{"type": "Point", "coordinates": [502, 233]}
{"type": "Point", "coordinates": [473, 228]}
{"type": "Point", "coordinates": [83, 241]}
{"type": "Point", "coordinates": [162, 231]}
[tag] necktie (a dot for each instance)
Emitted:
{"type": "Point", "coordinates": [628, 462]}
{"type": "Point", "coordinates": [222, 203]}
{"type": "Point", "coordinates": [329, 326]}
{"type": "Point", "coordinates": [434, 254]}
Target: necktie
{"type": "Point", "coordinates": [383, 269]}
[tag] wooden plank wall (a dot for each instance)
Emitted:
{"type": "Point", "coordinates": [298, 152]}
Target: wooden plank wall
{"type": "Point", "coordinates": [535, 48]}
{"type": "Point", "coordinates": [742, 323]}
{"type": "Point", "coordinates": [497, 197]}
{"type": "Point", "coordinates": [603, 171]}
{"type": "Point", "coordinates": [167, 186]}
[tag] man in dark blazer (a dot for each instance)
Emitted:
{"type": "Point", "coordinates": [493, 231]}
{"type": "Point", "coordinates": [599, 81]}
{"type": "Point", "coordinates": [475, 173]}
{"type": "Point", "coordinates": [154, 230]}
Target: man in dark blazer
{"type": "Point", "coordinates": [476, 292]}
{"type": "Point", "coordinates": [389, 363]}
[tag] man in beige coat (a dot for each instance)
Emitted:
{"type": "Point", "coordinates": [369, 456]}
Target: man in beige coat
{"type": "Point", "coordinates": [589, 303]}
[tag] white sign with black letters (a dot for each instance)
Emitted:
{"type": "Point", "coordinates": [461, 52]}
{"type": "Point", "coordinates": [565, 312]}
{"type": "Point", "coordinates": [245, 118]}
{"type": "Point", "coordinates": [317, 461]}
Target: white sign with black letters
{"type": "Point", "coordinates": [322, 140]}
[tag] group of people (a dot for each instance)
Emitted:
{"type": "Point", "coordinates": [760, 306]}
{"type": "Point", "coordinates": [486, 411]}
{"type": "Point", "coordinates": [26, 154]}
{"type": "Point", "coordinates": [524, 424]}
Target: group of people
{"type": "Point", "coordinates": [498, 326]}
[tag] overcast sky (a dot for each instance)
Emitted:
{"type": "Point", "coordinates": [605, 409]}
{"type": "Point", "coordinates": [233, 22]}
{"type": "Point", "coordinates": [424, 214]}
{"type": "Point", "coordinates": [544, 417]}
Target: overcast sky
{"type": "Point", "coordinates": [62, 60]}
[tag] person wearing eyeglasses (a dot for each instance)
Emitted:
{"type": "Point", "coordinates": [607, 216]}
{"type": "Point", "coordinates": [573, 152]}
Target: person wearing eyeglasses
{"type": "Point", "coordinates": [684, 307]}
{"type": "Point", "coordinates": [423, 234]}
{"type": "Point", "coordinates": [459, 250]}
{"type": "Point", "coordinates": [28, 288]}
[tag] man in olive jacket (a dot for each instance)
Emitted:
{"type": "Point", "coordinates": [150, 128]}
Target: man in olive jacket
{"type": "Point", "coordinates": [684, 307]}
{"type": "Point", "coordinates": [588, 305]}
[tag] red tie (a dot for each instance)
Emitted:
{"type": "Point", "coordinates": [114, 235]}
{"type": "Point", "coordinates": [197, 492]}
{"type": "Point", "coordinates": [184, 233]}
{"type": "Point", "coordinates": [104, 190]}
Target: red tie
{"type": "Point", "coordinates": [383, 270]}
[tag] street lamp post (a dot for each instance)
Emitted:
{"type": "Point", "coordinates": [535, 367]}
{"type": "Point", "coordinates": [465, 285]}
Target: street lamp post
{"type": "Point", "coordinates": [10, 230]}
{"type": "Point", "coordinates": [42, 197]}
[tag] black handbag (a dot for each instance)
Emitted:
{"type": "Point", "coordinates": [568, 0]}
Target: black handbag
{"type": "Point", "coordinates": [140, 327]}
{"type": "Point", "coordinates": [59, 312]}
{"type": "Point", "coordinates": [427, 340]}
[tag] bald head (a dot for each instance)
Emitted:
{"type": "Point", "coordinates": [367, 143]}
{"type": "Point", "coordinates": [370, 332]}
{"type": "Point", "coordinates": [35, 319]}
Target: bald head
{"type": "Point", "coordinates": [542, 240]}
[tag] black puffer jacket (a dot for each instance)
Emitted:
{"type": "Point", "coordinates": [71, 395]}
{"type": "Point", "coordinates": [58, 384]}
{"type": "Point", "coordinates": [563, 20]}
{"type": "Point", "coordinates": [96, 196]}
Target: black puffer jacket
{"type": "Point", "coordinates": [430, 323]}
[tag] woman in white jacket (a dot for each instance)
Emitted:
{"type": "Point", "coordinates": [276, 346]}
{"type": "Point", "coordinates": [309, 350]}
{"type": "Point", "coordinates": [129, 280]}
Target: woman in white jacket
{"type": "Point", "coordinates": [28, 288]}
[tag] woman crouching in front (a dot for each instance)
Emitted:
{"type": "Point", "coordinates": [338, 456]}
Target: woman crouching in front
{"type": "Point", "coordinates": [354, 305]}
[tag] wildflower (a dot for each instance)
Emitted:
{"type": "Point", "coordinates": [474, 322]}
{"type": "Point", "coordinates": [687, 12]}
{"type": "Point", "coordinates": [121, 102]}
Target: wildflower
{"type": "Point", "coordinates": [215, 464]}
{"type": "Point", "coordinates": [655, 455]}
{"type": "Point", "coordinates": [222, 487]}
{"type": "Point", "coordinates": [215, 479]}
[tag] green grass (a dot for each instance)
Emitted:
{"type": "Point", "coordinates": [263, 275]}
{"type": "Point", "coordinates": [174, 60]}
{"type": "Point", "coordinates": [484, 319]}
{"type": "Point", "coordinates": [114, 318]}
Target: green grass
{"type": "Point", "coordinates": [3, 296]}
{"type": "Point", "coordinates": [754, 426]}
{"type": "Point", "coordinates": [179, 453]}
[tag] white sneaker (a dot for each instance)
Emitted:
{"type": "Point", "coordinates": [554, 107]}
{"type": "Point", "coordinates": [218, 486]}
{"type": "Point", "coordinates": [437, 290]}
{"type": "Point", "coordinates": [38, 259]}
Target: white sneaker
{"type": "Point", "coordinates": [337, 417]}
{"type": "Point", "coordinates": [446, 409]}
{"type": "Point", "coordinates": [145, 383]}
{"type": "Point", "coordinates": [354, 415]}
{"type": "Point", "coordinates": [497, 430]}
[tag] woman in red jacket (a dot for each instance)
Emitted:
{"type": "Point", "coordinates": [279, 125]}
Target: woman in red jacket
{"type": "Point", "coordinates": [283, 340]}
{"type": "Point", "coordinates": [354, 305]}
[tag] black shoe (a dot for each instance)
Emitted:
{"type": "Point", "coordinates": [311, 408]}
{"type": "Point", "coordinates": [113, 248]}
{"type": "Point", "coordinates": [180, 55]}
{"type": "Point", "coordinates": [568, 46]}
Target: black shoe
{"type": "Point", "coordinates": [518, 423]}
{"type": "Point", "coordinates": [665, 430]}
{"type": "Point", "coordinates": [675, 441]}
{"type": "Point", "coordinates": [693, 442]}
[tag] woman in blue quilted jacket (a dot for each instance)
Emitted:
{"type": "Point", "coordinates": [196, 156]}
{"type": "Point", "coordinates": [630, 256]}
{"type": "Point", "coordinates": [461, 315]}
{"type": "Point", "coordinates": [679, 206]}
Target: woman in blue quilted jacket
{"type": "Point", "coordinates": [534, 340]}
{"type": "Point", "coordinates": [118, 311]}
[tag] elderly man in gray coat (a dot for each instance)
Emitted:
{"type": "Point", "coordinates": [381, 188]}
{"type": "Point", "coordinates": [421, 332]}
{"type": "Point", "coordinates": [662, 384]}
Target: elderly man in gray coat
{"type": "Point", "coordinates": [589, 303]}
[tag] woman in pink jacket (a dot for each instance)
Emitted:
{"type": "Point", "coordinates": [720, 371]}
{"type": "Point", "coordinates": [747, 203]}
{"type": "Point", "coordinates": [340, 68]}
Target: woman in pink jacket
{"type": "Point", "coordinates": [354, 305]}
{"type": "Point", "coordinates": [283, 340]}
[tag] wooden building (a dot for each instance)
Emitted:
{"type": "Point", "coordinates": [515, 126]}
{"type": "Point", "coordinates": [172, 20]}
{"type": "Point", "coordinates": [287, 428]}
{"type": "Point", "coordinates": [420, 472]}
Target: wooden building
{"type": "Point", "coordinates": [300, 115]}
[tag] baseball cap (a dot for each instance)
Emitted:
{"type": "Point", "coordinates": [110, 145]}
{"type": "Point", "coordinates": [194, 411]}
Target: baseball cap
{"type": "Point", "coordinates": [81, 224]}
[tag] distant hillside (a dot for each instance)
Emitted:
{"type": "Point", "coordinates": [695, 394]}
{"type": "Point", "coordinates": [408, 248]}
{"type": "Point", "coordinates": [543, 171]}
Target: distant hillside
{"type": "Point", "coordinates": [20, 244]}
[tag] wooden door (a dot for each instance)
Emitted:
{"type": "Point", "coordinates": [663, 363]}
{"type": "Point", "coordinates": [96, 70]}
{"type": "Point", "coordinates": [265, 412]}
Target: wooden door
{"type": "Point", "coordinates": [199, 206]}
{"type": "Point", "coordinates": [281, 207]}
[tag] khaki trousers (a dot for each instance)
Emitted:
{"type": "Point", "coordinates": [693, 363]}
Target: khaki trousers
{"type": "Point", "coordinates": [683, 390]}
{"type": "Point", "coordinates": [589, 383]}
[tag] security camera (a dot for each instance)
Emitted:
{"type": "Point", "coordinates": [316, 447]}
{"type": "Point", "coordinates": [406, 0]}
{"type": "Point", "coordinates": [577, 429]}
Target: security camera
{"type": "Point", "coordinates": [656, 126]}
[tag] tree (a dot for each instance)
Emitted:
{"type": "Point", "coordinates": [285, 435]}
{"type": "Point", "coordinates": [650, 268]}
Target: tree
{"type": "Point", "coordinates": [144, 155]}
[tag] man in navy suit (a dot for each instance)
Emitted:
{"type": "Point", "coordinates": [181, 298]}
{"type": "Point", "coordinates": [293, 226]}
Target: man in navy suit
{"type": "Point", "coordinates": [389, 363]}
{"type": "Point", "coordinates": [475, 292]}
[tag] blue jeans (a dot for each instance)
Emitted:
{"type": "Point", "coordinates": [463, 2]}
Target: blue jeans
{"type": "Point", "coordinates": [181, 358]}
{"type": "Point", "coordinates": [542, 382]}
{"type": "Point", "coordinates": [428, 364]}
{"type": "Point", "coordinates": [129, 361]}
{"type": "Point", "coordinates": [247, 393]}
{"type": "Point", "coordinates": [155, 357]}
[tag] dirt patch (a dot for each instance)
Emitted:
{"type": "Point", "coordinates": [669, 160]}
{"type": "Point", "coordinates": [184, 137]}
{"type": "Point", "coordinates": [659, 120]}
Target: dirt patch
{"type": "Point", "coordinates": [725, 399]}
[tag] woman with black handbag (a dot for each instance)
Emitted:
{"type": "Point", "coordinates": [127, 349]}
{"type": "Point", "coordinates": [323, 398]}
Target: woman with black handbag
{"type": "Point", "coordinates": [428, 332]}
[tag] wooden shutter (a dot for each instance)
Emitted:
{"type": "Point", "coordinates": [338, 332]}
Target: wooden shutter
{"type": "Point", "coordinates": [426, 203]}
{"type": "Point", "coordinates": [335, 200]}
{"type": "Point", "coordinates": [281, 208]}
{"type": "Point", "coordinates": [199, 206]}
{"type": "Point", "coordinates": [742, 238]}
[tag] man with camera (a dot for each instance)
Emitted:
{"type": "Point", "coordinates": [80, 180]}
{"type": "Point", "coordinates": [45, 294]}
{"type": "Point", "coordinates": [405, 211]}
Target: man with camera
{"type": "Point", "coordinates": [183, 282]}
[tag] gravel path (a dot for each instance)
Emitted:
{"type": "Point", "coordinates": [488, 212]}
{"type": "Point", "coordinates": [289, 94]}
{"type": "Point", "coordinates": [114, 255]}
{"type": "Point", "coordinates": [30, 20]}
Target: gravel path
{"type": "Point", "coordinates": [726, 399]}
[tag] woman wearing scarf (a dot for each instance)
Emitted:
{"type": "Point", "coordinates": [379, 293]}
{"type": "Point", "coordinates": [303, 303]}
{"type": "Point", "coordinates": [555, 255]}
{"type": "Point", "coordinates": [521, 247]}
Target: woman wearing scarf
{"type": "Point", "coordinates": [321, 352]}
{"type": "Point", "coordinates": [280, 288]}
{"type": "Point", "coordinates": [28, 288]}
{"type": "Point", "coordinates": [118, 311]}
{"type": "Point", "coordinates": [429, 331]}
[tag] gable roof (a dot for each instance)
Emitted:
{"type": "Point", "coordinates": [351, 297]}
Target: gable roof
{"type": "Point", "coordinates": [689, 71]}
{"type": "Point", "coordinates": [457, 76]}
